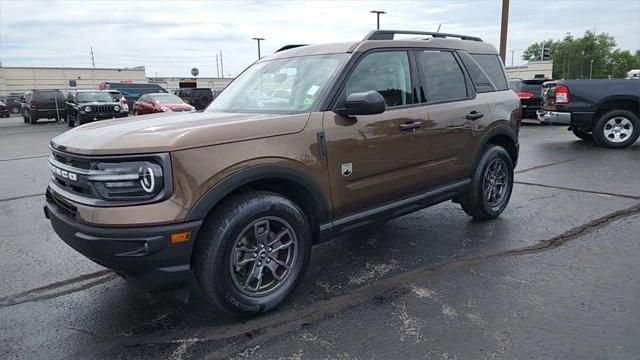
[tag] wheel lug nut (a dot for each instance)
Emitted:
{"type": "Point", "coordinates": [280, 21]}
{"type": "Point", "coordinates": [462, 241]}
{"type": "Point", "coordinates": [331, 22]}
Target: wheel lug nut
{"type": "Point", "coordinates": [270, 249]}
{"type": "Point", "coordinates": [255, 255]}
{"type": "Point", "coordinates": [268, 261]}
{"type": "Point", "coordinates": [261, 246]}
{"type": "Point", "coordinates": [259, 263]}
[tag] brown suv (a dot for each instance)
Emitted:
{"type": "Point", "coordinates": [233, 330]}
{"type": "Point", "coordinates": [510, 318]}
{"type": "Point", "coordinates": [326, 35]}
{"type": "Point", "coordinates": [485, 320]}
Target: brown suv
{"type": "Point", "coordinates": [236, 196]}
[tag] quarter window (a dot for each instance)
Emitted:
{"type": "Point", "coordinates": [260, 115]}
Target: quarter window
{"type": "Point", "coordinates": [479, 77]}
{"type": "Point", "coordinates": [493, 67]}
{"type": "Point", "coordinates": [443, 77]}
{"type": "Point", "coordinates": [385, 72]}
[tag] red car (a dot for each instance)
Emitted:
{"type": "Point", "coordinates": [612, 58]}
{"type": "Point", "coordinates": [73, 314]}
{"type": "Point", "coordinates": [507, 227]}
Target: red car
{"type": "Point", "coordinates": [160, 102]}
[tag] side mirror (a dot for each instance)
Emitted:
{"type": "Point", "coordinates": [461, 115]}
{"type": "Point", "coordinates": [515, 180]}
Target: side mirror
{"type": "Point", "coordinates": [363, 103]}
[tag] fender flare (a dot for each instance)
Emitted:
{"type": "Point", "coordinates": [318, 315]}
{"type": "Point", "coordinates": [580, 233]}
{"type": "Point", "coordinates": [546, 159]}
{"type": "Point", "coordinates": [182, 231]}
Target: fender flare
{"type": "Point", "coordinates": [502, 129]}
{"type": "Point", "coordinates": [259, 172]}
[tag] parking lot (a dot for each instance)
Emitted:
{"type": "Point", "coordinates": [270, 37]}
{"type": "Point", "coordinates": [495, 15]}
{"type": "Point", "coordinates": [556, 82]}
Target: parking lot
{"type": "Point", "coordinates": [556, 276]}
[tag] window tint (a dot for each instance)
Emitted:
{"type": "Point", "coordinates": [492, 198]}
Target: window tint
{"type": "Point", "coordinates": [493, 67]}
{"type": "Point", "coordinates": [479, 77]}
{"type": "Point", "coordinates": [443, 76]}
{"type": "Point", "coordinates": [385, 72]}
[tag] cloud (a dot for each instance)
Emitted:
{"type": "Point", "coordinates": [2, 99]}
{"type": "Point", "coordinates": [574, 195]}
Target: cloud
{"type": "Point", "coordinates": [171, 37]}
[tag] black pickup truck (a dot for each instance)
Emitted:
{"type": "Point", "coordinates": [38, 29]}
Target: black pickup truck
{"type": "Point", "coordinates": [607, 111]}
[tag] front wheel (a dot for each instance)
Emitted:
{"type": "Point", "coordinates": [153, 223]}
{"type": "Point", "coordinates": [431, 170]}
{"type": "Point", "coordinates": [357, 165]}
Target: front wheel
{"type": "Point", "coordinates": [616, 129]}
{"type": "Point", "coordinates": [252, 252]}
{"type": "Point", "coordinates": [491, 185]}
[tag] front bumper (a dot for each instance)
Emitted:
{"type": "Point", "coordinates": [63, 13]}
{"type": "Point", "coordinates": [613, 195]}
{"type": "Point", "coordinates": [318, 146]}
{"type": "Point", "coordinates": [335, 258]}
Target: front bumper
{"type": "Point", "coordinates": [95, 117]}
{"type": "Point", "coordinates": [144, 256]}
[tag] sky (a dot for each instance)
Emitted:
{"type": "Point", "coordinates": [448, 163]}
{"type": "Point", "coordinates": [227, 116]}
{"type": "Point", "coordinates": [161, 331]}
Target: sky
{"type": "Point", "coordinates": [171, 37]}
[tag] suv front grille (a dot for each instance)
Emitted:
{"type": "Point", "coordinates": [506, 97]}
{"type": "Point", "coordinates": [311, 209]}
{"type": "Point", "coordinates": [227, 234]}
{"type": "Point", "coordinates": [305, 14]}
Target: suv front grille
{"type": "Point", "coordinates": [70, 164]}
{"type": "Point", "coordinates": [103, 109]}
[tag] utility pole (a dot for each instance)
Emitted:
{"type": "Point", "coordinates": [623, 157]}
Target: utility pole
{"type": "Point", "coordinates": [503, 29]}
{"type": "Point", "coordinates": [93, 70]}
{"type": "Point", "coordinates": [221, 67]}
{"type": "Point", "coordinates": [591, 69]}
{"type": "Point", "coordinates": [377, 12]}
{"type": "Point", "coordinates": [217, 67]}
{"type": "Point", "coordinates": [258, 40]}
{"type": "Point", "coordinates": [512, 51]}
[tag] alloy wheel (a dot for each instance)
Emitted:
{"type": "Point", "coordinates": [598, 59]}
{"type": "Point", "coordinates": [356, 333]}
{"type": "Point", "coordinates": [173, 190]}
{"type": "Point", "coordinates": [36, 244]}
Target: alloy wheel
{"type": "Point", "coordinates": [495, 182]}
{"type": "Point", "coordinates": [263, 255]}
{"type": "Point", "coordinates": [618, 129]}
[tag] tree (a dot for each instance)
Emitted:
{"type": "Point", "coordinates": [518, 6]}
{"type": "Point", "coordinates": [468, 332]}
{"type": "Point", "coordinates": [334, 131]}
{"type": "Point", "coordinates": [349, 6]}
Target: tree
{"type": "Point", "coordinates": [591, 55]}
{"type": "Point", "coordinates": [621, 61]}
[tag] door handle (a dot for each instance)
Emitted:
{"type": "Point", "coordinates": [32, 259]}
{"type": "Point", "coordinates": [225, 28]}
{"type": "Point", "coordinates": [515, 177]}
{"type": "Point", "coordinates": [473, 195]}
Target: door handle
{"type": "Point", "coordinates": [411, 126]}
{"type": "Point", "coordinates": [474, 115]}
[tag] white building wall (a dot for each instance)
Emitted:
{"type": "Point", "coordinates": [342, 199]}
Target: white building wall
{"type": "Point", "coordinates": [172, 84]}
{"type": "Point", "coordinates": [21, 79]}
{"type": "Point", "coordinates": [532, 68]}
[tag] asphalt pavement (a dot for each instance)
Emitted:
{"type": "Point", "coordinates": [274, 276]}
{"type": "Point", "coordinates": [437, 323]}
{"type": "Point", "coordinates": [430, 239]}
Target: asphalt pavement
{"type": "Point", "coordinates": [556, 276]}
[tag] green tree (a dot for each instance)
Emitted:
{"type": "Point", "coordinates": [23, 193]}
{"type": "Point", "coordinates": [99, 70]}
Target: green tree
{"type": "Point", "coordinates": [590, 55]}
{"type": "Point", "coordinates": [621, 61]}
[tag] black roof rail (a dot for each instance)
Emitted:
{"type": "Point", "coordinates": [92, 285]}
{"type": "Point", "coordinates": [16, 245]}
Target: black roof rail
{"type": "Point", "coordinates": [389, 35]}
{"type": "Point", "coordinates": [290, 46]}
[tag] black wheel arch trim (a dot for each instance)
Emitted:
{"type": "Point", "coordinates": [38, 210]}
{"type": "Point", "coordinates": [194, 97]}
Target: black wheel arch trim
{"type": "Point", "coordinates": [502, 129]}
{"type": "Point", "coordinates": [259, 172]}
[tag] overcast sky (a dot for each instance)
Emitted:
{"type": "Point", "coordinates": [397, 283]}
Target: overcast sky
{"type": "Point", "coordinates": [170, 38]}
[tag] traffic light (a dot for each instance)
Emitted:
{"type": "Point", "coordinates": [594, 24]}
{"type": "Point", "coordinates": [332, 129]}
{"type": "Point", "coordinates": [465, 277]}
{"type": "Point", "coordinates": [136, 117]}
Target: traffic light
{"type": "Point", "coordinates": [546, 53]}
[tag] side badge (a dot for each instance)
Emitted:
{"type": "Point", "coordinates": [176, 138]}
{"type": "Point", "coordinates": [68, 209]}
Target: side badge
{"type": "Point", "coordinates": [347, 169]}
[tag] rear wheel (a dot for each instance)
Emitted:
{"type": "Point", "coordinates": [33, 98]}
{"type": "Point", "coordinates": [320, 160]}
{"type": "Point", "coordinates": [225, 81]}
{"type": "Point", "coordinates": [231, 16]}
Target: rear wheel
{"type": "Point", "coordinates": [617, 129]}
{"type": "Point", "coordinates": [491, 185]}
{"type": "Point", "coordinates": [582, 134]}
{"type": "Point", "coordinates": [252, 253]}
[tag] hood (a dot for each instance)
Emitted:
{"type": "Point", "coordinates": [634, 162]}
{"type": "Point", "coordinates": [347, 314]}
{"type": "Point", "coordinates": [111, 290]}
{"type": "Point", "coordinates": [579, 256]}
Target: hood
{"type": "Point", "coordinates": [165, 132]}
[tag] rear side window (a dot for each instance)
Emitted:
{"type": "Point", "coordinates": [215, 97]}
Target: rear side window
{"type": "Point", "coordinates": [479, 77]}
{"type": "Point", "coordinates": [493, 68]}
{"type": "Point", "coordinates": [385, 72]}
{"type": "Point", "coordinates": [48, 95]}
{"type": "Point", "coordinates": [443, 76]}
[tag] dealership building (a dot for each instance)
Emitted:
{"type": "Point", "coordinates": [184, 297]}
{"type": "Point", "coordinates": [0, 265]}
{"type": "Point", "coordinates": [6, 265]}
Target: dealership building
{"type": "Point", "coordinates": [18, 79]}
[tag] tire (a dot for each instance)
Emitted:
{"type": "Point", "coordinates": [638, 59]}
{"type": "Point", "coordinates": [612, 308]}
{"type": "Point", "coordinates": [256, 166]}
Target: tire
{"type": "Point", "coordinates": [32, 119]}
{"type": "Point", "coordinates": [582, 134]}
{"type": "Point", "coordinates": [476, 203]}
{"type": "Point", "coordinates": [616, 129]}
{"type": "Point", "coordinates": [135, 112]}
{"type": "Point", "coordinates": [232, 227]}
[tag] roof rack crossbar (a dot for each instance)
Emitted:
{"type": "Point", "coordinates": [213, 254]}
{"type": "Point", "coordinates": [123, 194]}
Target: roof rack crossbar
{"type": "Point", "coordinates": [290, 46]}
{"type": "Point", "coordinates": [389, 35]}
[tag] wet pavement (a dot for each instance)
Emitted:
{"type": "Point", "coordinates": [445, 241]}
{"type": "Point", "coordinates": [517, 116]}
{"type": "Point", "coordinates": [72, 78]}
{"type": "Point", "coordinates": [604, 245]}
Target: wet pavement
{"type": "Point", "coordinates": [556, 276]}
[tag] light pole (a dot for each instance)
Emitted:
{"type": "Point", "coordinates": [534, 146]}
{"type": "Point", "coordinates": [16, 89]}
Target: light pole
{"type": "Point", "coordinates": [377, 12]}
{"type": "Point", "coordinates": [258, 40]}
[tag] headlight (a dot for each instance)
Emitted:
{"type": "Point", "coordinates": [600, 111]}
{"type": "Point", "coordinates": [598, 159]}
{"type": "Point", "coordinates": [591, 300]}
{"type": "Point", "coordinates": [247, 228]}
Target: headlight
{"type": "Point", "coordinates": [135, 180]}
{"type": "Point", "coordinates": [87, 109]}
{"type": "Point", "coordinates": [165, 109]}
{"type": "Point", "coordinates": [116, 108]}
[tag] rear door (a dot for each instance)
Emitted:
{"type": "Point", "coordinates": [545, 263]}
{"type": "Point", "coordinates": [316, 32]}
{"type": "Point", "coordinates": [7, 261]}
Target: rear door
{"type": "Point", "coordinates": [455, 114]}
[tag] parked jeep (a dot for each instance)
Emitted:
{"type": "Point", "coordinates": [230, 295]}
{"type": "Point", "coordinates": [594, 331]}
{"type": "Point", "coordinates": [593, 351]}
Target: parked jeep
{"type": "Point", "coordinates": [84, 106]}
{"type": "Point", "coordinates": [235, 196]}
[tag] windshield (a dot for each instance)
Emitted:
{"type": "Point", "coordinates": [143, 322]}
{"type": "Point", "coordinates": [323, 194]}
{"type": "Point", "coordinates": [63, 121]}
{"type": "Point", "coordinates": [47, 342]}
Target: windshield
{"type": "Point", "coordinates": [167, 99]}
{"type": "Point", "coordinates": [286, 86]}
{"type": "Point", "coordinates": [97, 96]}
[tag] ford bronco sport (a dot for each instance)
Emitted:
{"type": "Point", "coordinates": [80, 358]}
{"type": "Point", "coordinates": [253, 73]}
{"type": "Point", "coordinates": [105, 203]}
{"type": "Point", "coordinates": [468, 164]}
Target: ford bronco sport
{"type": "Point", "coordinates": [234, 197]}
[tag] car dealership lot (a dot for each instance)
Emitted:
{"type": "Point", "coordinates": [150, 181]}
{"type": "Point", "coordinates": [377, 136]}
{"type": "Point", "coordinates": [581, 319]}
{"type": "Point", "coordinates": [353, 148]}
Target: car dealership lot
{"type": "Point", "coordinates": [554, 276]}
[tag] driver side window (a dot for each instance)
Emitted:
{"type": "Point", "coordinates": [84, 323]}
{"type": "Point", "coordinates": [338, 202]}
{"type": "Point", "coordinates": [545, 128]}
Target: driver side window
{"type": "Point", "coordinates": [385, 72]}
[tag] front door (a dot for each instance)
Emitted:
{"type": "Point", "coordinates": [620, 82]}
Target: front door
{"type": "Point", "coordinates": [374, 158]}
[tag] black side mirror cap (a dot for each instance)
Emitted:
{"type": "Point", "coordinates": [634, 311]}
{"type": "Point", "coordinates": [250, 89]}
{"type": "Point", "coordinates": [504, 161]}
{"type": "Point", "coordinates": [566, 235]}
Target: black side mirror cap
{"type": "Point", "coordinates": [363, 103]}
